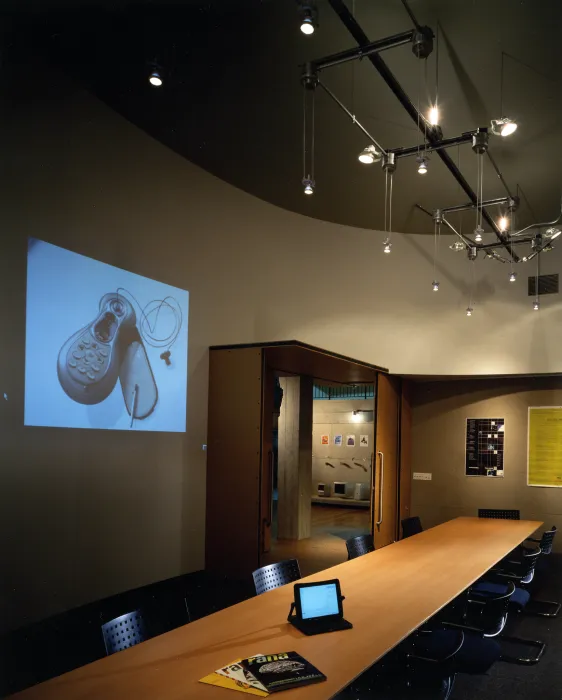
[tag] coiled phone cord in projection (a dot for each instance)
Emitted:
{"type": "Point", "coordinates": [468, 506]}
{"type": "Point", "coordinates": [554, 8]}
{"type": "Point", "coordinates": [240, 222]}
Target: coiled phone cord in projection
{"type": "Point", "coordinates": [148, 330]}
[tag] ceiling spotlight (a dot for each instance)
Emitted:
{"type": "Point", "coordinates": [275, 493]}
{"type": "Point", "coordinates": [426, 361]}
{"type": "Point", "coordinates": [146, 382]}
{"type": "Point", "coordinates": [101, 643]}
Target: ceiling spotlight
{"type": "Point", "coordinates": [552, 233]}
{"type": "Point", "coordinates": [536, 305]}
{"type": "Point", "coordinates": [308, 185]}
{"type": "Point", "coordinates": [504, 126]}
{"type": "Point", "coordinates": [155, 79]}
{"type": "Point", "coordinates": [435, 286]}
{"type": "Point", "coordinates": [369, 155]}
{"type": "Point", "coordinates": [503, 223]}
{"type": "Point", "coordinates": [308, 18]}
{"type": "Point", "coordinates": [422, 164]}
{"type": "Point", "coordinates": [457, 245]}
{"type": "Point", "coordinates": [387, 246]}
{"type": "Point", "coordinates": [513, 277]}
{"type": "Point", "coordinates": [478, 231]}
{"type": "Point", "coordinates": [469, 311]}
{"type": "Point", "coordinates": [433, 117]}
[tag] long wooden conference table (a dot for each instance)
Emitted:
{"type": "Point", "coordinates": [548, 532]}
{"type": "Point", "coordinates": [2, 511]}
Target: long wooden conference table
{"type": "Point", "coordinates": [389, 593]}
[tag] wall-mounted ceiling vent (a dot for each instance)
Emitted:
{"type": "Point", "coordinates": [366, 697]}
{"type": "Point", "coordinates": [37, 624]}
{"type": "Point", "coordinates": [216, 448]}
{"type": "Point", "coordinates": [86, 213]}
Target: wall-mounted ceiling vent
{"type": "Point", "coordinates": [548, 284]}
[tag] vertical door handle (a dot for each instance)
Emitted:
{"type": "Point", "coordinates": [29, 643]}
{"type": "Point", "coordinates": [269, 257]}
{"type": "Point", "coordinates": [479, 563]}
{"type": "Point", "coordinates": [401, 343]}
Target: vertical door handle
{"type": "Point", "coordinates": [270, 504]}
{"type": "Point", "coordinates": [379, 521]}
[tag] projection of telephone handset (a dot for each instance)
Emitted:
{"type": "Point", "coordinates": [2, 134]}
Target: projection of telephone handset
{"type": "Point", "coordinates": [112, 347]}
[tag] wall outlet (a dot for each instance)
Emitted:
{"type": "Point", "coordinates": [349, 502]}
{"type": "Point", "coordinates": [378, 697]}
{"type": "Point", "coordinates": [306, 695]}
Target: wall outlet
{"type": "Point", "coordinates": [422, 476]}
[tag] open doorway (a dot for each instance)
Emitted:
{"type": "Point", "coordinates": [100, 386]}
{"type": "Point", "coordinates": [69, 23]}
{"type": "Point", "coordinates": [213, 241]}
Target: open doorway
{"type": "Point", "coordinates": [323, 442]}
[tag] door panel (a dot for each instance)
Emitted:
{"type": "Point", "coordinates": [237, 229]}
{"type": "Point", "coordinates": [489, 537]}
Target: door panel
{"type": "Point", "coordinates": [266, 477]}
{"type": "Point", "coordinates": [386, 461]}
{"type": "Point", "coordinates": [233, 461]}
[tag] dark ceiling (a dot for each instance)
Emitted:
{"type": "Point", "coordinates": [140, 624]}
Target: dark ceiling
{"type": "Point", "coordinates": [232, 99]}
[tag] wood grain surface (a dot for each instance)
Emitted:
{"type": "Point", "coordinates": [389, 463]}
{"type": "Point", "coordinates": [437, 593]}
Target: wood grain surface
{"type": "Point", "coordinates": [389, 593]}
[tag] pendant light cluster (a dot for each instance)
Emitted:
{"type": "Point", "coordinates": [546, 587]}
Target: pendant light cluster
{"type": "Point", "coordinates": [429, 123]}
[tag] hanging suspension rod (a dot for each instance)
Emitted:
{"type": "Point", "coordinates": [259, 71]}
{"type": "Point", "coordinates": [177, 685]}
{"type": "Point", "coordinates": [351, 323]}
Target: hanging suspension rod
{"type": "Point", "coordinates": [499, 174]}
{"type": "Point", "coordinates": [351, 116]}
{"type": "Point", "coordinates": [351, 24]}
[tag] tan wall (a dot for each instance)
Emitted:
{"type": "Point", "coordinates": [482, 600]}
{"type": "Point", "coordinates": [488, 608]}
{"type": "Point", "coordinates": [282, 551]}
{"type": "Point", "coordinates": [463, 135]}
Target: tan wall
{"type": "Point", "coordinates": [335, 418]}
{"type": "Point", "coordinates": [439, 429]}
{"type": "Point", "coordinates": [85, 514]}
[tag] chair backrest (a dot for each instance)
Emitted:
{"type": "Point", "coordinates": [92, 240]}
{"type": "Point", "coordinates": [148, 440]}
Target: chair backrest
{"type": "Point", "coordinates": [124, 631]}
{"type": "Point", "coordinates": [499, 514]}
{"type": "Point", "coordinates": [529, 561]}
{"type": "Point", "coordinates": [547, 539]}
{"type": "Point", "coordinates": [411, 526]}
{"type": "Point", "coordinates": [491, 609]}
{"type": "Point", "coordinates": [357, 546]}
{"type": "Point", "coordinates": [275, 575]}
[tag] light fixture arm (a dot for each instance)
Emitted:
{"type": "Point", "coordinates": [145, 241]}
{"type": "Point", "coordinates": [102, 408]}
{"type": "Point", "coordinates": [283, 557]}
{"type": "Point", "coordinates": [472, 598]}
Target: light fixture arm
{"type": "Point", "coordinates": [545, 223]}
{"type": "Point", "coordinates": [485, 203]}
{"type": "Point", "coordinates": [351, 116]}
{"type": "Point", "coordinates": [361, 52]}
{"type": "Point", "coordinates": [435, 146]}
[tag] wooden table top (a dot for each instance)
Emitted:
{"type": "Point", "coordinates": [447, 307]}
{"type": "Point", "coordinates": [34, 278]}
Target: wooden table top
{"type": "Point", "coordinates": [389, 593]}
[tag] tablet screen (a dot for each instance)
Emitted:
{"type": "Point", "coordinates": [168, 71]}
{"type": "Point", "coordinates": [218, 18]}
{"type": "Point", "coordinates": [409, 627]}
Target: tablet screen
{"type": "Point", "coordinates": [318, 601]}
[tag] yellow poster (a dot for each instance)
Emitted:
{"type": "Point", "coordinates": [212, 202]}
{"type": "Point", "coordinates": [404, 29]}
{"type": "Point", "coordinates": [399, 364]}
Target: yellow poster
{"type": "Point", "coordinates": [544, 459]}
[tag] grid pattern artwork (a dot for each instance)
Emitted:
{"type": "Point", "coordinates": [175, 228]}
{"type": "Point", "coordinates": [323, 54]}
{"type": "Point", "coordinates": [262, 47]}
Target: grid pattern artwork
{"type": "Point", "coordinates": [484, 446]}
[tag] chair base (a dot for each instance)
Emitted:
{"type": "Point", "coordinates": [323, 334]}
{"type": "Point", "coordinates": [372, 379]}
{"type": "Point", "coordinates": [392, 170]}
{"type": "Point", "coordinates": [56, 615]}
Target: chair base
{"type": "Point", "coordinates": [542, 608]}
{"type": "Point", "coordinates": [506, 641]}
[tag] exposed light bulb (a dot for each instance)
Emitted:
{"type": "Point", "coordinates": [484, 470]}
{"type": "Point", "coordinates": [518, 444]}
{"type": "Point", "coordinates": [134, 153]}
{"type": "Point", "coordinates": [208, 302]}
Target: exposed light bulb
{"type": "Point", "coordinates": [387, 246]}
{"type": "Point", "coordinates": [422, 164]}
{"type": "Point", "coordinates": [308, 185]}
{"type": "Point", "coordinates": [503, 223]}
{"type": "Point", "coordinates": [504, 126]}
{"type": "Point", "coordinates": [478, 231]}
{"type": "Point", "coordinates": [308, 15]}
{"type": "Point", "coordinates": [552, 232]}
{"type": "Point", "coordinates": [508, 128]}
{"type": "Point", "coordinates": [435, 286]}
{"type": "Point", "coordinates": [434, 116]}
{"type": "Point", "coordinates": [369, 155]}
{"type": "Point", "coordinates": [155, 79]}
{"type": "Point", "coordinates": [536, 305]}
{"type": "Point", "coordinates": [513, 277]}
{"type": "Point", "coordinates": [469, 311]}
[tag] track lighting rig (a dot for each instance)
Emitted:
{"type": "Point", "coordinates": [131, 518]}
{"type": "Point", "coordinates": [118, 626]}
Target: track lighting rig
{"type": "Point", "coordinates": [421, 39]}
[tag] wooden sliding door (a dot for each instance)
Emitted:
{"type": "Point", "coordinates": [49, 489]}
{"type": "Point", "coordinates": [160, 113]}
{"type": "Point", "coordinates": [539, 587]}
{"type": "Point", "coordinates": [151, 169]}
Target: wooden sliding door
{"type": "Point", "coordinates": [385, 486]}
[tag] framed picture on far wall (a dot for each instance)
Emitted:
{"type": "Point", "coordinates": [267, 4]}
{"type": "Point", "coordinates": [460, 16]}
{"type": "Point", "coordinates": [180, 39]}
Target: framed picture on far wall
{"type": "Point", "coordinates": [350, 441]}
{"type": "Point", "coordinates": [338, 440]}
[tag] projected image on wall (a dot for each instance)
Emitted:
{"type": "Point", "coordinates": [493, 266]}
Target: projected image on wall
{"type": "Point", "coordinates": [105, 348]}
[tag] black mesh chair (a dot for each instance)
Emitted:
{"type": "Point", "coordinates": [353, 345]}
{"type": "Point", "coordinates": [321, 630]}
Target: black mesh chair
{"type": "Point", "coordinates": [543, 608]}
{"type": "Point", "coordinates": [487, 610]}
{"type": "Point", "coordinates": [546, 540]}
{"type": "Point", "coordinates": [275, 575]}
{"type": "Point", "coordinates": [411, 526]}
{"type": "Point", "coordinates": [357, 546]}
{"type": "Point", "coordinates": [499, 514]}
{"type": "Point", "coordinates": [124, 632]}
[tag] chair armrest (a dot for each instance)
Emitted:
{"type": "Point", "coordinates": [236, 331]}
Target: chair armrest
{"type": "Point", "coordinates": [532, 539]}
